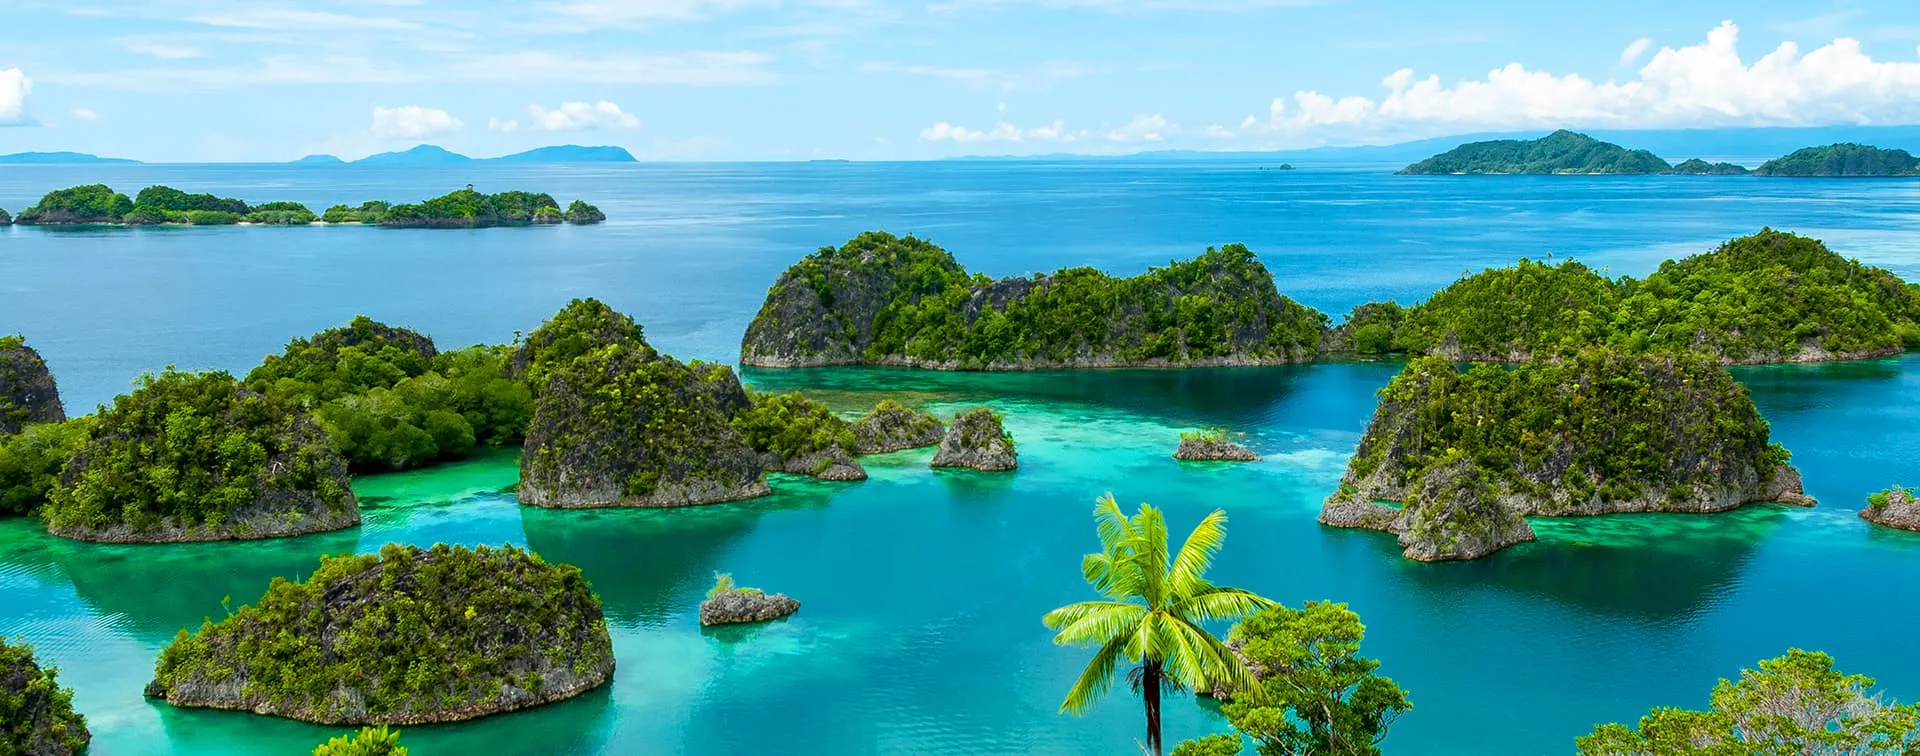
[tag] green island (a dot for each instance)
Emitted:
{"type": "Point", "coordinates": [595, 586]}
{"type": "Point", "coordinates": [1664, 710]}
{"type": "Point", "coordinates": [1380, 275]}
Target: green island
{"type": "Point", "coordinates": [795, 434]}
{"type": "Point", "coordinates": [1562, 152]}
{"type": "Point", "coordinates": [880, 299]}
{"type": "Point", "coordinates": [405, 636]}
{"type": "Point", "coordinates": [391, 401]}
{"type": "Point", "coordinates": [28, 393]}
{"type": "Point", "coordinates": [891, 426]}
{"type": "Point", "coordinates": [36, 714]}
{"type": "Point", "coordinates": [98, 204]}
{"type": "Point", "coordinates": [1698, 167]}
{"type": "Point", "coordinates": [729, 604]}
{"type": "Point", "coordinates": [1769, 297]}
{"type": "Point", "coordinates": [977, 440]}
{"type": "Point", "coordinates": [1895, 507]}
{"type": "Point", "coordinates": [1842, 160]}
{"type": "Point", "coordinates": [198, 457]}
{"type": "Point", "coordinates": [1212, 445]}
{"type": "Point", "coordinates": [1466, 455]}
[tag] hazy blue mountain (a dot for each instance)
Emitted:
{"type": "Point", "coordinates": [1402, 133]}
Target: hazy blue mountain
{"type": "Point", "coordinates": [568, 153]}
{"type": "Point", "coordinates": [319, 160]}
{"type": "Point", "coordinates": [425, 154]}
{"type": "Point", "coordinates": [60, 157]}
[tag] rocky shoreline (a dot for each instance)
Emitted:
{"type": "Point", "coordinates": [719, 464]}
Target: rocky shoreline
{"type": "Point", "coordinates": [977, 441]}
{"type": "Point", "coordinates": [742, 606]}
{"type": "Point", "coordinates": [1895, 508]}
{"type": "Point", "coordinates": [1206, 448]}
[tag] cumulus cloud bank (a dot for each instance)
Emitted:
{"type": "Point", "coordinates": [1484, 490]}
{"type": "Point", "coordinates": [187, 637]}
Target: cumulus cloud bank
{"type": "Point", "coordinates": [413, 122]}
{"type": "Point", "coordinates": [1706, 84]}
{"type": "Point", "coordinates": [1143, 128]}
{"type": "Point", "coordinates": [580, 116]}
{"type": "Point", "coordinates": [14, 88]}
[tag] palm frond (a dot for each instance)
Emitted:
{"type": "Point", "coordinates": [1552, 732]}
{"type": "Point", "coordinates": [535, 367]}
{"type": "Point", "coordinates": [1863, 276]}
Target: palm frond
{"type": "Point", "coordinates": [1094, 622]}
{"type": "Point", "coordinates": [1188, 574]}
{"type": "Point", "coordinates": [1110, 522]}
{"type": "Point", "coordinates": [1217, 663]}
{"type": "Point", "coordinates": [1220, 605]}
{"type": "Point", "coordinates": [1150, 554]}
{"type": "Point", "coordinates": [1113, 576]}
{"type": "Point", "coordinates": [1095, 680]}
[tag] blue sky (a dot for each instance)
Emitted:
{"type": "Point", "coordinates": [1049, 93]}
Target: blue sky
{"type": "Point", "coordinates": [215, 80]}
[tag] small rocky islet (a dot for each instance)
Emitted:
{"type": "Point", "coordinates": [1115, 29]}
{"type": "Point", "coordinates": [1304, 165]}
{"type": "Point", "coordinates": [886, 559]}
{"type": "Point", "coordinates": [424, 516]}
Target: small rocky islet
{"type": "Point", "coordinates": [1895, 507]}
{"type": "Point", "coordinates": [1470, 454]}
{"type": "Point", "coordinates": [977, 441]}
{"type": "Point", "coordinates": [36, 713]}
{"type": "Point", "coordinates": [405, 636]}
{"type": "Point", "coordinates": [1212, 445]}
{"type": "Point", "coordinates": [727, 604]}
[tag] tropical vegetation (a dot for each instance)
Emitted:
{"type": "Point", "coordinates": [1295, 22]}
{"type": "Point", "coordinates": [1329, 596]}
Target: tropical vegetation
{"type": "Point", "coordinates": [1792, 704]}
{"type": "Point", "coordinates": [369, 741]}
{"type": "Point", "coordinates": [1157, 604]}
{"type": "Point", "coordinates": [156, 205]}
{"type": "Point", "coordinates": [407, 634]}
{"type": "Point", "coordinates": [886, 299]}
{"type": "Point", "coordinates": [1698, 167]}
{"type": "Point", "coordinates": [466, 208]}
{"type": "Point", "coordinates": [1560, 152]}
{"type": "Point", "coordinates": [1321, 696]}
{"type": "Point", "coordinates": [31, 462]}
{"type": "Point", "coordinates": [791, 425]}
{"type": "Point", "coordinates": [36, 714]}
{"type": "Point", "coordinates": [1842, 160]}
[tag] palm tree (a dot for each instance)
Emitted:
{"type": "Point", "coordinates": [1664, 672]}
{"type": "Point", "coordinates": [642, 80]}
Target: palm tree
{"type": "Point", "coordinates": [1154, 612]}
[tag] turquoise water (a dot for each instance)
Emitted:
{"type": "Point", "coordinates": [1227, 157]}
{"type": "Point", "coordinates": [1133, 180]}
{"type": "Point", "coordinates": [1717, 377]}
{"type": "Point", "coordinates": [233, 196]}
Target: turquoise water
{"type": "Point", "coordinates": [922, 591]}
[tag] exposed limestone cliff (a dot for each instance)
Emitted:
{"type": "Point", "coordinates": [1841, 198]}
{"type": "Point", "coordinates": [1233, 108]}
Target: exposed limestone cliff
{"type": "Point", "coordinates": [977, 441]}
{"type": "Point", "coordinates": [891, 427]}
{"type": "Point", "coordinates": [27, 392]}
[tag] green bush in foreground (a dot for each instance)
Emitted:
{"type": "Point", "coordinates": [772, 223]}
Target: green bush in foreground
{"type": "Point", "coordinates": [369, 741]}
{"type": "Point", "coordinates": [31, 462]}
{"type": "Point", "coordinates": [36, 714]}
{"type": "Point", "coordinates": [791, 425]}
{"type": "Point", "coordinates": [1793, 704]}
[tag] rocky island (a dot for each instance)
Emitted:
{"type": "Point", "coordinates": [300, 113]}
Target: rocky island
{"type": "Point", "coordinates": [36, 714]}
{"type": "Point", "coordinates": [1212, 445]}
{"type": "Point", "coordinates": [1698, 167]}
{"type": "Point", "coordinates": [730, 605]}
{"type": "Point", "coordinates": [6, 219]}
{"type": "Point", "coordinates": [406, 636]}
{"type": "Point", "coordinates": [794, 434]}
{"type": "Point", "coordinates": [198, 457]}
{"type": "Point", "coordinates": [1895, 507]}
{"type": "Point", "coordinates": [977, 441]}
{"type": "Point", "coordinates": [1560, 152]}
{"type": "Point", "coordinates": [617, 424]}
{"type": "Point", "coordinates": [891, 426]}
{"type": "Point", "coordinates": [98, 204]}
{"type": "Point", "coordinates": [886, 300]}
{"type": "Point", "coordinates": [1769, 297]}
{"type": "Point", "coordinates": [1468, 455]}
{"type": "Point", "coordinates": [27, 391]}
{"type": "Point", "coordinates": [1842, 161]}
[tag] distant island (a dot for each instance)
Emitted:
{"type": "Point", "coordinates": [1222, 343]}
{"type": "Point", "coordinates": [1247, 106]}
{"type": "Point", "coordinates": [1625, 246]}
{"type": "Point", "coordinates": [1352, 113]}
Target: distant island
{"type": "Point", "coordinates": [1562, 152]}
{"type": "Point", "coordinates": [425, 154]}
{"type": "Point", "coordinates": [1842, 160]}
{"type": "Point", "coordinates": [99, 204]}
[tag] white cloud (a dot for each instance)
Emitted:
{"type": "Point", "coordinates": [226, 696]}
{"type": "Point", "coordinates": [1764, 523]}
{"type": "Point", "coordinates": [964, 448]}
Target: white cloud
{"type": "Point", "coordinates": [164, 51]}
{"type": "Point", "coordinates": [83, 114]}
{"type": "Point", "coordinates": [1702, 85]}
{"type": "Point", "coordinates": [1000, 132]}
{"type": "Point", "coordinates": [1216, 131]}
{"type": "Point", "coordinates": [412, 122]}
{"type": "Point", "coordinates": [14, 88]}
{"type": "Point", "coordinates": [1144, 128]}
{"type": "Point", "coordinates": [1634, 50]}
{"type": "Point", "coordinates": [580, 116]}
{"type": "Point", "coordinates": [504, 126]}
{"type": "Point", "coordinates": [1037, 76]}
{"type": "Point", "coordinates": [698, 68]}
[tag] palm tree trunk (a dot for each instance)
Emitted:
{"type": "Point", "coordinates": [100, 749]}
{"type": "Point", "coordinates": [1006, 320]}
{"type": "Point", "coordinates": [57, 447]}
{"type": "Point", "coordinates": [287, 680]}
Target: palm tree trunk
{"type": "Point", "coordinates": [1150, 690]}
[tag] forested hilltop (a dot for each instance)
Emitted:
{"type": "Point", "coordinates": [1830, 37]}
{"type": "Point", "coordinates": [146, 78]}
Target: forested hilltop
{"type": "Point", "coordinates": [99, 204]}
{"type": "Point", "coordinates": [1769, 297]}
{"type": "Point", "coordinates": [1560, 152]}
{"type": "Point", "coordinates": [882, 299]}
{"type": "Point", "coordinates": [1842, 160]}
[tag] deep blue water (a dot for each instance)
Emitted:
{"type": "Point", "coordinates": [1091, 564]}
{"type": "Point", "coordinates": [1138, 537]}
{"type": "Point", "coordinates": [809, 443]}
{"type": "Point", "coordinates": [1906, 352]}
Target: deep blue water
{"type": "Point", "coordinates": [923, 591]}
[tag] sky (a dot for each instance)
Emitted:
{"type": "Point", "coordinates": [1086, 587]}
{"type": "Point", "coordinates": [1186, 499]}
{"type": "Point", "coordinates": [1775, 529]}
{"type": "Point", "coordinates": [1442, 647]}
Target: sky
{"type": "Point", "coordinates": [268, 80]}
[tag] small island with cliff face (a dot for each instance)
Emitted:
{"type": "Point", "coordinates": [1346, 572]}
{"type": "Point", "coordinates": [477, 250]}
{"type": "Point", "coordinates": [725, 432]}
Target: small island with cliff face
{"type": "Point", "coordinates": [886, 300]}
{"type": "Point", "coordinates": [406, 636]}
{"type": "Point", "coordinates": [28, 394]}
{"type": "Point", "coordinates": [1465, 456]}
{"type": "Point", "coordinates": [98, 204]}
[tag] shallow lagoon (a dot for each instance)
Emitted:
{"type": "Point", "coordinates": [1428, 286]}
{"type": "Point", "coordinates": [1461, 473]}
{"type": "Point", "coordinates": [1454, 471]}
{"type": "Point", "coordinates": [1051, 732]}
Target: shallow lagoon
{"type": "Point", "coordinates": [923, 590]}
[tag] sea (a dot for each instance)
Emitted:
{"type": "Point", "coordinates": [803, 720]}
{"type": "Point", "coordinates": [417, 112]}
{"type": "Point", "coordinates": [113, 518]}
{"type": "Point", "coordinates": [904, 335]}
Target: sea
{"type": "Point", "coordinates": [922, 591]}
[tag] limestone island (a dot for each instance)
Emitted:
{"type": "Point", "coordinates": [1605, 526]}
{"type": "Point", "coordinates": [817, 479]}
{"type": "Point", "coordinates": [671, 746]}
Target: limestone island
{"type": "Point", "coordinates": [1842, 161]}
{"type": "Point", "coordinates": [977, 441]}
{"type": "Point", "coordinates": [1562, 152]}
{"type": "Point", "coordinates": [1766, 298]}
{"type": "Point", "coordinates": [891, 426]}
{"type": "Point", "coordinates": [27, 391]}
{"type": "Point", "coordinates": [406, 636]}
{"type": "Point", "coordinates": [98, 204]}
{"type": "Point", "coordinates": [886, 300]}
{"type": "Point", "coordinates": [729, 605]}
{"type": "Point", "coordinates": [36, 714]}
{"type": "Point", "coordinates": [6, 219]}
{"type": "Point", "coordinates": [794, 434]}
{"type": "Point", "coordinates": [1465, 457]}
{"type": "Point", "coordinates": [198, 457]}
{"type": "Point", "coordinates": [617, 424]}
{"type": "Point", "coordinates": [1211, 445]}
{"type": "Point", "coordinates": [1895, 507]}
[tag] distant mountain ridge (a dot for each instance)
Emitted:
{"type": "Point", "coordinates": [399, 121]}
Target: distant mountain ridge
{"type": "Point", "coordinates": [55, 158]}
{"type": "Point", "coordinates": [425, 154]}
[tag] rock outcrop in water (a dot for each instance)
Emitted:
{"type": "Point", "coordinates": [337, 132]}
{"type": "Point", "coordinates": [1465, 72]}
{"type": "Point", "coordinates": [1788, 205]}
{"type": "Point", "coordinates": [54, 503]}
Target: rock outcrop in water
{"type": "Point", "coordinates": [977, 441]}
{"type": "Point", "coordinates": [798, 435]}
{"type": "Point", "coordinates": [408, 636]}
{"type": "Point", "coordinates": [1895, 507]}
{"type": "Point", "coordinates": [1212, 446]}
{"type": "Point", "coordinates": [27, 392]}
{"type": "Point", "coordinates": [197, 457]}
{"type": "Point", "coordinates": [891, 426]}
{"type": "Point", "coordinates": [885, 300]}
{"type": "Point", "coordinates": [1598, 432]}
{"type": "Point", "coordinates": [36, 714]}
{"type": "Point", "coordinates": [728, 605]}
{"type": "Point", "coordinates": [617, 424]}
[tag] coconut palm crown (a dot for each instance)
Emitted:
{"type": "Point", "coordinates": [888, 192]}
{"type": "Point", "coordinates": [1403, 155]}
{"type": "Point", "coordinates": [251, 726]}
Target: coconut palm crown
{"type": "Point", "coordinates": [1156, 605]}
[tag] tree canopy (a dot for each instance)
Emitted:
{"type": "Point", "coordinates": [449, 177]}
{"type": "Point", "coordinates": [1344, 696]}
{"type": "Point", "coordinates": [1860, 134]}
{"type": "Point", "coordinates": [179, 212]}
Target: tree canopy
{"type": "Point", "coordinates": [1560, 152]}
{"type": "Point", "coordinates": [1842, 160]}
